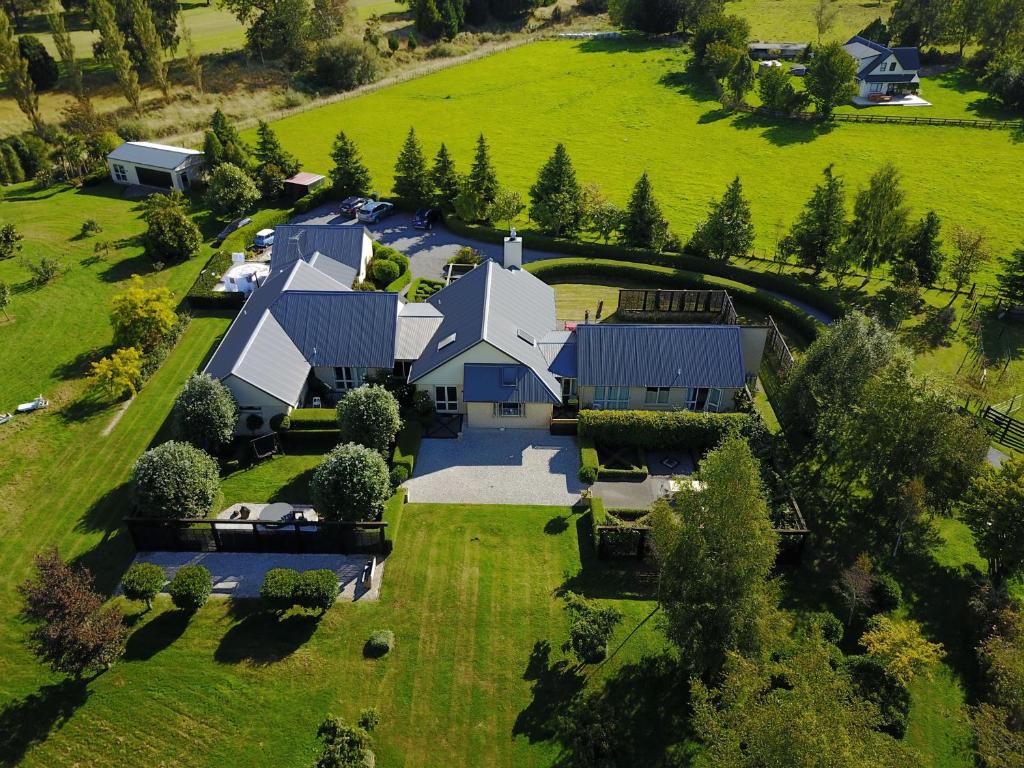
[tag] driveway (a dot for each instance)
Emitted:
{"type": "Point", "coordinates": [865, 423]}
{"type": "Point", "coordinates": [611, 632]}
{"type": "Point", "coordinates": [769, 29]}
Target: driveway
{"type": "Point", "coordinates": [488, 466]}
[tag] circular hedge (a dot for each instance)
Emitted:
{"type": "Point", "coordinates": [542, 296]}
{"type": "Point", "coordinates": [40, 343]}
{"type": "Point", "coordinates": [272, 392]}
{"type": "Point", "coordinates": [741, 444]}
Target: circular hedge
{"type": "Point", "coordinates": [143, 582]}
{"type": "Point", "coordinates": [278, 589]}
{"type": "Point", "coordinates": [351, 483]}
{"type": "Point", "coordinates": [379, 643]}
{"type": "Point", "coordinates": [369, 415]}
{"type": "Point", "coordinates": [205, 413]}
{"type": "Point", "coordinates": [175, 480]}
{"type": "Point", "coordinates": [191, 587]}
{"type": "Point", "coordinates": [316, 590]}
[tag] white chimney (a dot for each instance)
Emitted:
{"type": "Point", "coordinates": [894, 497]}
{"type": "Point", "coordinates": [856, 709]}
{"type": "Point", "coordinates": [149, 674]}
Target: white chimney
{"type": "Point", "coordinates": [513, 256]}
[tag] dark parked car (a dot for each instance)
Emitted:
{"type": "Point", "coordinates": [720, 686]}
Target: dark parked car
{"type": "Point", "coordinates": [426, 218]}
{"type": "Point", "coordinates": [350, 205]}
{"type": "Point", "coordinates": [373, 211]}
{"type": "Point", "coordinates": [236, 224]}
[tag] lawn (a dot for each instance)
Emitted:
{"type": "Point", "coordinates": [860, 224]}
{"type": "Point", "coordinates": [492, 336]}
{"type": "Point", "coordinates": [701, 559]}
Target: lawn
{"type": "Point", "coordinates": [655, 116]}
{"type": "Point", "coordinates": [781, 21]}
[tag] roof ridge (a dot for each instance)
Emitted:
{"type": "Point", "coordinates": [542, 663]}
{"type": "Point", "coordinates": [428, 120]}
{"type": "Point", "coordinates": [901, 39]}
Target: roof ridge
{"type": "Point", "coordinates": [485, 313]}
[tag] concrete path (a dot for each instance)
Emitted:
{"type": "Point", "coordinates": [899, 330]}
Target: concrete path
{"type": "Point", "coordinates": [488, 466]}
{"type": "Point", "coordinates": [240, 574]}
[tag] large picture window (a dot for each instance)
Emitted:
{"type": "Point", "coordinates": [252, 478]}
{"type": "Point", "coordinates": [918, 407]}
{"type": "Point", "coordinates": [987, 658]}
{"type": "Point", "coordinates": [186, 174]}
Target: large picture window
{"type": "Point", "coordinates": [348, 377]}
{"type": "Point", "coordinates": [446, 399]}
{"type": "Point", "coordinates": [611, 398]}
{"type": "Point", "coordinates": [656, 396]}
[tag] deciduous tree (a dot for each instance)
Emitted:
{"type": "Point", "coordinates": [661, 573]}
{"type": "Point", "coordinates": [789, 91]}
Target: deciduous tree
{"type": "Point", "coordinates": [66, 49]}
{"type": "Point", "coordinates": [994, 509]}
{"type": "Point", "coordinates": [142, 317]}
{"type": "Point", "coordinates": [151, 45]}
{"type": "Point", "coordinates": [350, 483]}
{"type": "Point", "coordinates": [231, 192]}
{"type": "Point", "coordinates": [171, 236]}
{"type": "Point", "coordinates": [175, 480]}
{"type": "Point", "coordinates": [193, 64]}
{"type": "Point", "coordinates": [829, 79]}
{"type": "Point", "coordinates": [970, 251]}
{"type": "Point", "coordinates": [120, 374]}
{"type": "Point", "coordinates": [879, 223]}
{"type": "Point", "coordinates": [114, 52]}
{"type": "Point", "coordinates": [368, 415]}
{"type": "Point", "coordinates": [901, 648]}
{"type": "Point", "coordinates": [16, 75]}
{"type": "Point", "coordinates": [507, 205]}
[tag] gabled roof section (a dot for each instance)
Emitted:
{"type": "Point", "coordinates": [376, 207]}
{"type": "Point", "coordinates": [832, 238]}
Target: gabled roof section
{"type": "Point", "coordinates": [660, 355]}
{"type": "Point", "coordinates": [336, 250]}
{"type": "Point", "coordinates": [559, 349]}
{"type": "Point", "coordinates": [497, 383]}
{"type": "Point", "coordinates": [871, 54]}
{"type": "Point", "coordinates": [909, 58]}
{"type": "Point", "coordinates": [153, 155]}
{"type": "Point", "coordinates": [417, 324]}
{"type": "Point", "coordinates": [495, 305]}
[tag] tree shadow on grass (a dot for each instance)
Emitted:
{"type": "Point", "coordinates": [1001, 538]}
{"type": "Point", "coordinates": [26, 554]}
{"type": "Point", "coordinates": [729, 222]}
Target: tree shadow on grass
{"type": "Point", "coordinates": [30, 720]}
{"type": "Point", "coordinates": [262, 638]}
{"type": "Point", "coordinates": [155, 635]}
{"type": "Point", "coordinates": [140, 264]}
{"type": "Point", "coordinates": [608, 579]}
{"type": "Point", "coordinates": [689, 82]}
{"type": "Point", "coordinates": [295, 490]}
{"type": "Point", "coordinates": [782, 132]}
{"type": "Point", "coordinates": [79, 365]}
{"type": "Point", "coordinates": [554, 687]}
{"type": "Point", "coordinates": [556, 525]}
{"type": "Point", "coordinates": [84, 408]}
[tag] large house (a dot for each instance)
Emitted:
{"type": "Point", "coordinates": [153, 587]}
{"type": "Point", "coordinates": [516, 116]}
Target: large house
{"type": "Point", "coordinates": [156, 165]}
{"type": "Point", "coordinates": [487, 346]}
{"type": "Point", "coordinates": [883, 71]}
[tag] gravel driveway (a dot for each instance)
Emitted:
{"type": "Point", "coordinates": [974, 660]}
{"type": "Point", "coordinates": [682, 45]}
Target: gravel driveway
{"type": "Point", "coordinates": [487, 466]}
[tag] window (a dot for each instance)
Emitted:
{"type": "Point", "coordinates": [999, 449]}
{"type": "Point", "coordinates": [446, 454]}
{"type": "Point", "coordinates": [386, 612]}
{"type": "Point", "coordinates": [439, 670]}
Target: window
{"type": "Point", "coordinates": [120, 174]}
{"type": "Point", "coordinates": [656, 396]}
{"type": "Point", "coordinates": [876, 88]}
{"type": "Point", "coordinates": [611, 397]}
{"type": "Point", "coordinates": [892, 67]}
{"type": "Point", "coordinates": [348, 377]}
{"type": "Point", "coordinates": [510, 409]}
{"type": "Point", "coordinates": [703, 399]}
{"type": "Point", "coordinates": [568, 389]}
{"type": "Point", "coordinates": [446, 399]}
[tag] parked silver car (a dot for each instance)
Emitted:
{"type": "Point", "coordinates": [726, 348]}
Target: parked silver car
{"type": "Point", "coordinates": [373, 211]}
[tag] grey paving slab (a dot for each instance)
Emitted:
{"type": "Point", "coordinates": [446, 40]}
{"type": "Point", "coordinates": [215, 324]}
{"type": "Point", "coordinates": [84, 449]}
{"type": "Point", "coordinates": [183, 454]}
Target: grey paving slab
{"type": "Point", "coordinates": [627, 494]}
{"type": "Point", "coordinates": [485, 466]}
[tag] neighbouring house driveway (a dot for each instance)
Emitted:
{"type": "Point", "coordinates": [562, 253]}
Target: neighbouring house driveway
{"type": "Point", "coordinates": [240, 574]}
{"type": "Point", "coordinates": [488, 466]}
{"type": "Point", "coordinates": [662, 467]}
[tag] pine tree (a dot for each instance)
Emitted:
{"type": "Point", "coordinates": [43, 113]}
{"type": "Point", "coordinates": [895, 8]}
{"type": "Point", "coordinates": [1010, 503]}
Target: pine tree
{"type": "Point", "coordinates": [412, 181]}
{"type": "Point", "coordinates": [66, 49]}
{"type": "Point", "coordinates": [923, 249]}
{"type": "Point", "coordinates": [213, 150]}
{"type": "Point", "coordinates": [115, 54]}
{"type": "Point", "coordinates": [728, 232]}
{"type": "Point", "coordinates": [349, 176]}
{"type": "Point", "coordinates": [644, 226]}
{"type": "Point", "coordinates": [556, 200]}
{"type": "Point", "coordinates": [15, 74]}
{"type": "Point", "coordinates": [482, 178]}
{"type": "Point", "coordinates": [151, 45]}
{"type": "Point", "coordinates": [428, 18]}
{"type": "Point", "coordinates": [879, 219]}
{"type": "Point", "coordinates": [445, 179]}
{"type": "Point", "coordinates": [270, 152]}
{"type": "Point", "coordinates": [818, 231]}
{"type": "Point", "coordinates": [193, 63]}
{"type": "Point", "coordinates": [233, 149]}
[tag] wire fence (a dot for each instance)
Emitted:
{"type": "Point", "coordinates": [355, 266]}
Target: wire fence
{"type": "Point", "coordinates": [848, 117]}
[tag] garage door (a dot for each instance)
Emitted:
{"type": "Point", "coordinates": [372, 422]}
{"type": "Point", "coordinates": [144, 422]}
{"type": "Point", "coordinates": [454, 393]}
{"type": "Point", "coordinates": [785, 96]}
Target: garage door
{"type": "Point", "coordinates": [152, 178]}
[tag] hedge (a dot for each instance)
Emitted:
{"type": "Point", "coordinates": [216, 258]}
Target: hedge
{"type": "Point", "coordinates": [392, 515]}
{"type": "Point", "coordinates": [313, 419]}
{"type": "Point", "coordinates": [407, 446]}
{"type": "Point", "coordinates": [588, 461]}
{"type": "Point", "coordinates": [598, 516]}
{"type": "Point", "coordinates": [396, 285]}
{"type": "Point", "coordinates": [655, 276]}
{"type": "Point", "coordinates": [422, 288]}
{"type": "Point", "coordinates": [659, 430]}
{"type": "Point", "coordinates": [773, 282]}
{"type": "Point", "coordinates": [314, 199]}
{"type": "Point", "coordinates": [202, 296]}
{"type": "Point", "coordinates": [637, 473]}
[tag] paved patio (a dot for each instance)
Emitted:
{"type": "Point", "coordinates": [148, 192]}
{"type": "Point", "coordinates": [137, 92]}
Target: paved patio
{"type": "Point", "coordinates": [240, 574]}
{"type": "Point", "coordinates": [662, 466]}
{"type": "Point", "coordinates": [486, 466]}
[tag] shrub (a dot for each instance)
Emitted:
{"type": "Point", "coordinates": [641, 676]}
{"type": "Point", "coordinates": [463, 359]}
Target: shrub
{"type": "Point", "coordinates": [90, 227]}
{"type": "Point", "coordinates": [873, 683]}
{"type": "Point", "coordinates": [280, 422]}
{"type": "Point", "coordinates": [369, 416]}
{"type": "Point", "coordinates": [598, 516]}
{"type": "Point", "coordinates": [831, 627]}
{"type": "Point", "coordinates": [42, 68]}
{"type": "Point", "coordinates": [231, 192]}
{"type": "Point", "coordinates": [175, 480]}
{"type": "Point", "coordinates": [253, 422]}
{"type": "Point", "coordinates": [134, 130]}
{"type": "Point", "coordinates": [302, 419]}
{"type": "Point", "coordinates": [316, 590]}
{"type": "Point", "coordinates": [350, 483]}
{"type": "Point", "coordinates": [407, 446]}
{"type": "Point", "coordinates": [345, 63]}
{"type": "Point", "coordinates": [278, 589]}
{"type": "Point", "coordinates": [384, 271]}
{"type": "Point", "coordinates": [171, 236]}
{"type": "Point", "coordinates": [205, 413]}
{"type": "Point", "coordinates": [43, 271]}
{"type": "Point", "coordinates": [423, 404]}
{"type": "Point", "coordinates": [143, 581]}
{"type": "Point", "coordinates": [591, 627]}
{"type": "Point", "coordinates": [887, 593]}
{"type": "Point", "coordinates": [588, 461]}
{"type": "Point", "coordinates": [659, 430]}
{"type": "Point", "coordinates": [379, 643]}
{"type": "Point", "coordinates": [398, 475]}
{"type": "Point", "coordinates": [191, 587]}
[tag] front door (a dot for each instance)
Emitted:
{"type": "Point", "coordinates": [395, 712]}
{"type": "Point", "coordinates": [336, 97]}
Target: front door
{"type": "Point", "coordinates": [446, 399]}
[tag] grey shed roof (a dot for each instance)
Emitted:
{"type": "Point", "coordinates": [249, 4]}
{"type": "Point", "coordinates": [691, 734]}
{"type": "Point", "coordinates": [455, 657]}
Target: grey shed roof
{"type": "Point", "coordinates": [154, 155]}
{"type": "Point", "coordinates": [508, 308]}
{"type": "Point", "coordinates": [496, 383]}
{"type": "Point", "coordinates": [334, 250]}
{"type": "Point", "coordinates": [660, 355]}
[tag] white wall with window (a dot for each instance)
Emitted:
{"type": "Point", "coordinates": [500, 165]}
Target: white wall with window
{"type": "Point", "coordinates": [611, 398]}
{"type": "Point", "coordinates": [508, 415]}
{"type": "Point", "coordinates": [657, 398]}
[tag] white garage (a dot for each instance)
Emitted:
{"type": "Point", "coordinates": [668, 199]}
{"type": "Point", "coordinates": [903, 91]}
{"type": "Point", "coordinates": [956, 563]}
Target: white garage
{"type": "Point", "coordinates": [156, 165]}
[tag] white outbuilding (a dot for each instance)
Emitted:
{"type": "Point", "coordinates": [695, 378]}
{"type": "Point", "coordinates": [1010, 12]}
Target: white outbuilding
{"type": "Point", "coordinates": [156, 165]}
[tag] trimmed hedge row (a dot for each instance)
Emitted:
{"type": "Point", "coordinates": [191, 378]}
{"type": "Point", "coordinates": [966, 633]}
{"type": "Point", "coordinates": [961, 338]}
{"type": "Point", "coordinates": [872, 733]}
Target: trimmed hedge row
{"type": "Point", "coordinates": [589, 463]}
{"type": "Point", "coordinates": [407, 446]}
{"type": "Point", "coordinates": [598, 516]}
{"type": "Point", "coordinates": [392, 515]}
{"type": "Point", "coordinates": [313, 418]}
{"type": "Point", "coordinates": [202, 296]}
{"type": "Point", "coordinates": [773, 282]}
{"type": "Point", "coordinates": [637, 473]}
{"type": "Point", "coordinates": [659, 430]}
{"type": "Point", "coordinates": [655, 276]}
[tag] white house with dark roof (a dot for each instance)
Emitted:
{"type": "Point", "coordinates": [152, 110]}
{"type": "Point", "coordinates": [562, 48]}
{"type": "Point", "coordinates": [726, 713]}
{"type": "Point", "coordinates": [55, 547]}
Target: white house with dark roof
{"type": "Point", "coordinates": [884, 72]}
{"type": "Point", "coordinates": [156, 165]}
{"type": "Point", "coordinates": [487, 346]}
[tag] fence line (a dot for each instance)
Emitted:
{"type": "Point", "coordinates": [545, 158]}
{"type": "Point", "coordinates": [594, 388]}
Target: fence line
{"type": "Point", "coordinates": [658, 301]}
{"type": "Point", "coordinates": [1004, 428]}
{"type": "Point", "coordinates": [777, 350]}
{"type": "Point", "coordinates": [845, 117]}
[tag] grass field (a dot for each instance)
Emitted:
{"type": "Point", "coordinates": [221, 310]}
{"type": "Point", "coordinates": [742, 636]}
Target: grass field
{"type": "Point", "coordinates": [656, 116]}
{"type": "Point", "coordinates": [779, 20]}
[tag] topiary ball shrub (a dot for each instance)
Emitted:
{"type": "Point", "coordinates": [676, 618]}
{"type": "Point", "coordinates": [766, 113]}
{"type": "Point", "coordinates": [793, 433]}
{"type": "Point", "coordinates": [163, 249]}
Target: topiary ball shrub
{"type": "Point", "coordinates": [887, 593]}
{"type": "Point", "coordinates": [369, 415]}
{"type": "Point", "coordinates": [316, 590]}
{"type": "Point", "coordinates": [191, 587]}
{"type": "Point", "coordinates": [278, 589]}
{"type": "Point", "coordinates": [399, 474]}
{"type": "Point", "coordinates": [175, 480]}
{"type": "Point", "coordinates": [143, 581]}
{"type": "Point", "coordinates": [379, 643]}
{"type": "Point", "coordinates": [205, 413]}
{"type": "Point", "coordinates": [587, 475]}
{"type": "Point", "coordinates": [385, 271]}
{"type": "Point", "coordinates": [351, 483]}
{"type": "Point", "coordinates": [280, 422]}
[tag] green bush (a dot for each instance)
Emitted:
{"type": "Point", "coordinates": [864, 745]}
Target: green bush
{"type": "Point", "coordinates": [887, 593]}
{"type": "Point", "coordinates": [278, 589]}
{"type": "Point", "coordinates": [143, 581]}
{"type": "Point", "coordinates": [205, 413]}
{"type": "Point", "coordinates": [831, 627]}
{"type": "Point", "coordinates": [590, 628]}
{"type": "Point", "coordinates": [588, 461]}
{"type": "Point", "coordinates": [384, 271]}
{"type": "Point", "coordinates": [875, 684]}
{"type": "Point", "coordinates": [175, 480]}
{"type": "Point", "coordinates": [302, 419]}
{"type": "Point", "coordinates": [379, 643]}
{"type": "Point", "coordinates": [313, 199]}
{"type": "Point", "coordinates": [345, 63]}
{"type": "Point", "coordinates": [280, 422]}
{"type": "Point", "coordinates": [316, 590]}
{"type": "Point", "coordinates": [659, 430]}
{"type": "Point", "coordinates": [407, 446]}
{"type": "Point", "coordinates": [422, 288]}
{"type": "Point", "coordinates": [634, 474]}
{"type": "Point", "coordinates": [350, 483]}
{"type": "Point", "coordinates": [191, 587]}
{"type": "Point", "coordinates": [598, 516]}
{"type": "Point", "coordinates": [368, 415]}
{"type": "Point", "coordinates": [398, 475]}
{"type": "Point", "coordinates": [202, 296]}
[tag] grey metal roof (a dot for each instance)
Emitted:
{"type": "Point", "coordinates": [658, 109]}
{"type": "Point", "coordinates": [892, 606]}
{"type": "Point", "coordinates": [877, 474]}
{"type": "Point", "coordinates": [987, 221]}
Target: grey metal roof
{"type": "Point", "coordinates": [492, 304]}
{"type": "Point", "coordinates": [909, 58]}
{"type": "Point", "coordinates": [417, 324]}
{"type": "Point", "coordinates": [336, 250]}
{"type": "Point", "coordinates": [660, 355]}
{"type": "Point", "coordinates": [271, 362]}
{"type": "Point", "coordinates": [154, 155]}
{"type": "Point", "coordinates": [559, 349]}
{"type": "Point", "coordinates": [340, 328]}
{"type": "Point", "coordinates": [496, 383]}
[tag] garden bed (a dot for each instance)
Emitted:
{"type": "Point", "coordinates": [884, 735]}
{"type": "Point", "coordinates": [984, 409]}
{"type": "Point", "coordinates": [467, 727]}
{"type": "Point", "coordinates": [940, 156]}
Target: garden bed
{"type": "Point", "coordinates": [422, 288]}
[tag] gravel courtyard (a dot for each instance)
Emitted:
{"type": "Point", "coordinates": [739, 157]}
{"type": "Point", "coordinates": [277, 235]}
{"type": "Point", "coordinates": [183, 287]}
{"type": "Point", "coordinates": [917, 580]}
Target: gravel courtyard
{"type": "Point", "coordinates": [484, 466]}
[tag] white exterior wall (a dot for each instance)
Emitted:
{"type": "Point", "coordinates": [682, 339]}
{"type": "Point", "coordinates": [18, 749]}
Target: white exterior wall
{"type": "Point", "coordinates": [248, 396]}
{"type": "Point", "coordinates": [364, 260]}
{"type": "Point", "coordinates": [194, 171]}
{"type": "Point", "coordinates": [450, 374]}
{"type": "Point", "coordinates": [535, 416]}
{"type": "Point", "coordinates": [676, 399]}
{"type": "Point", "coordinates": [752, 340]}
